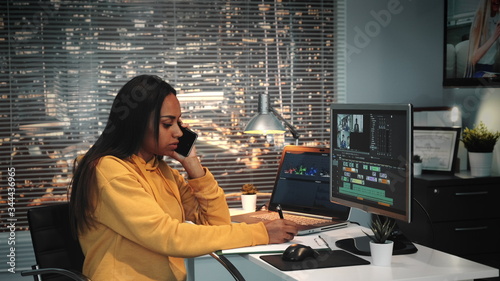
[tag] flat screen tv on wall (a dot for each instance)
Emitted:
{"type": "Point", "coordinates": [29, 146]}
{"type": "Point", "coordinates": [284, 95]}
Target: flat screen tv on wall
{"type": "Point", "coordinates": [471, 50]}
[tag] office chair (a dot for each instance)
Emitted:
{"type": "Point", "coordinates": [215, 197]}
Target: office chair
{"type": "Point", "coordinates": [57, 253]}
{"type": "Point", "coordinates": [59, 256]}
{"type": "Point", "coordinates": [229, 266]}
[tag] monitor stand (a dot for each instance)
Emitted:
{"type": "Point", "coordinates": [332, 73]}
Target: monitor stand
{"type": "Point", "coordinates": [361, 245]}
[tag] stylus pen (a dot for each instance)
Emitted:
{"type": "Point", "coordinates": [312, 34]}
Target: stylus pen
{"type": "Point", "coordinates": [326, 243]}
{"type": "Point", "coordinates": [280, 211]}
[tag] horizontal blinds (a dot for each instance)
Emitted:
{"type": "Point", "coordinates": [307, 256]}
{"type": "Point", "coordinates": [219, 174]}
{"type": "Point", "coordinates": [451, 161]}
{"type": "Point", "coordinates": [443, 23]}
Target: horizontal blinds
{"type": "Point", "coordinates": [64, 61]}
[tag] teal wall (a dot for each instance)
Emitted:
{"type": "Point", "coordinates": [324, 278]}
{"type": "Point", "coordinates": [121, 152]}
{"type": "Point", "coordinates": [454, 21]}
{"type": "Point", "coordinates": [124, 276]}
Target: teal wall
{"type": "Point", "coordinates": [395, 54]}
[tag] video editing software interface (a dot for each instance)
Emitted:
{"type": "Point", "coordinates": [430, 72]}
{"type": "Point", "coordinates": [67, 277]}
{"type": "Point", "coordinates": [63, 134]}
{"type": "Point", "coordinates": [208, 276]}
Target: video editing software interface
{"type": "Point", "coordinates": [368, 158]}
{"type": "Point", "coordinates": [304, 183]}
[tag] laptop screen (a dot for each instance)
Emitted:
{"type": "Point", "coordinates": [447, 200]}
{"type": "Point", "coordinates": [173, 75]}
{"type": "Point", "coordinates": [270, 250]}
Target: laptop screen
{"type": "Point", "coordinates": [303, 183]}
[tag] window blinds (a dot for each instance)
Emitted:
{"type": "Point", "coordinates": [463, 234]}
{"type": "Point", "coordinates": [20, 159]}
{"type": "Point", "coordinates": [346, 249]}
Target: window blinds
{"type": "Point", "coordinates": [64, 61]}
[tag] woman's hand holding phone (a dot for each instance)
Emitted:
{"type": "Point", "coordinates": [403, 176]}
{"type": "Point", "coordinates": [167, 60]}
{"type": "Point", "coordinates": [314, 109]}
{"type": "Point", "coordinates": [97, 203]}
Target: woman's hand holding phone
{"type": "Point", "coordinates": [186, 144]}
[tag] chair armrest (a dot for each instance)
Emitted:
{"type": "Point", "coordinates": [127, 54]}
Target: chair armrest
{"type": "Point", "coordinates": [71, 274]}
{"type": "Point", "coordinates": [228, 265]}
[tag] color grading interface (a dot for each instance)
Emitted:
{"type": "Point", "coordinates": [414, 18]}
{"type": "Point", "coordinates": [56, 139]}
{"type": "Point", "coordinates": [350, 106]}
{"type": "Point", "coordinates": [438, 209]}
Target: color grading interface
{"type": "Point", "coordinates": [304, 180]}
{"type": "Point", "coordinates": [368, 160]}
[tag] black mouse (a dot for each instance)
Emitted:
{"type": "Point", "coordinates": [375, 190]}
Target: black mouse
{"type": "Point", "coordinates": [299, 252]}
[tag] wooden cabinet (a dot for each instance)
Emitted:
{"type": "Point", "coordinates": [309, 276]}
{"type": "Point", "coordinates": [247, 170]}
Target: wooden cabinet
{"type": "Point", "coordinates": [457, 214]}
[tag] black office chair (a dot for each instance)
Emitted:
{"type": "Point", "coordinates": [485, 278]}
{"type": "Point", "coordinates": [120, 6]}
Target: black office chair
{"type": "Point", "coordinates": [59, 256]}
{"type": "Point", "coordinates": [57, 253]}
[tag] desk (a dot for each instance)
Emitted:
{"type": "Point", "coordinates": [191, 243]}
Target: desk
{"type": "Point", "coordinates": [427, 264]}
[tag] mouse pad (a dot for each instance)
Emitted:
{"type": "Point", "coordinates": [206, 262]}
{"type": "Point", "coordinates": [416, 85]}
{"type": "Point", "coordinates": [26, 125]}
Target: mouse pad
{"type": "Point", "coordinates": [325, 259]}
{"type": "Point", "coordinates": [361, 245]}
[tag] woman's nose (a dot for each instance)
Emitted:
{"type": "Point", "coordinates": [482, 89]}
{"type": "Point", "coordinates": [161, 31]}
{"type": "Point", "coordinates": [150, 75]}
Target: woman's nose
{"type": "Point", "coordinates": [178, 132]}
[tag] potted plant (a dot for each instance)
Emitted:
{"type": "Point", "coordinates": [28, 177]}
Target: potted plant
{"type": "Point", "coordinates": [480, 143]}
{"type": "Point", "coordinates": [380, 246]}
{"type": "Point", "coordinates": [417, 165]}
{"type": "Point", "coordinates": [249, 197]}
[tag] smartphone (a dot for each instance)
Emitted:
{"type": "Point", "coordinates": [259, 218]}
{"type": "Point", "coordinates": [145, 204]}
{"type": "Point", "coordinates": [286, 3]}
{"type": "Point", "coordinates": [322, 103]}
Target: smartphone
{"type": "Point", "coordinates": [186, 142]}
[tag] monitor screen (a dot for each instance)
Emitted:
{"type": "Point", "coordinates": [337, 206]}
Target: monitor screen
{"type": "Point", "coordinates": [303, 183]}
{"type": "Point", "coordinates": [371, 152]}
{"type": "Point", "coordinates": [467, 60]}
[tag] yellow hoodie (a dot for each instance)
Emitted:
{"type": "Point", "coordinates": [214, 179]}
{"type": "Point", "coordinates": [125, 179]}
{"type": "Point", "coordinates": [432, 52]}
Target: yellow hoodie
{"type": "Point", "coordinates": [141, 232]}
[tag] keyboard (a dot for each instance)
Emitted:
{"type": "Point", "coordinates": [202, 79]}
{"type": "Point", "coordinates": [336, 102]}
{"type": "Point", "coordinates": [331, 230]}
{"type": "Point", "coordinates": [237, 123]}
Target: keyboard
{"type": "Point", "coordinates": [300, 220]}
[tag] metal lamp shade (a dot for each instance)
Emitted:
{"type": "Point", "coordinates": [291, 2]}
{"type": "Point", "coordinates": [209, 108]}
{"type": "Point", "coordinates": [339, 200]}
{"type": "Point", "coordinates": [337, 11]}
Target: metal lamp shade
{"type": "Point", "coordinates": [264, 122]}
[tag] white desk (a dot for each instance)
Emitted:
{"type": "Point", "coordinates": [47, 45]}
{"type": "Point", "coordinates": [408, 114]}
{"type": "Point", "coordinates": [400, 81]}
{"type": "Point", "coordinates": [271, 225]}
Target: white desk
{"type": "Point", "coordinates": [427, 264]}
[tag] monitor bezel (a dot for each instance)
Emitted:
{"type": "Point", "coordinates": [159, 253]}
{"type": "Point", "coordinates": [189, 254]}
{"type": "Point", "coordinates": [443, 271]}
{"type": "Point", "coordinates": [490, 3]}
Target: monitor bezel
{"type": "Point", "coordinates": [408, 110]}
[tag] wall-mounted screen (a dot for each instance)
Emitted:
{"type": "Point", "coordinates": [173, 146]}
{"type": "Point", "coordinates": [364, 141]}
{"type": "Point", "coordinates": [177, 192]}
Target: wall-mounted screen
{"type": "Point", "coordinates": [471, 47]}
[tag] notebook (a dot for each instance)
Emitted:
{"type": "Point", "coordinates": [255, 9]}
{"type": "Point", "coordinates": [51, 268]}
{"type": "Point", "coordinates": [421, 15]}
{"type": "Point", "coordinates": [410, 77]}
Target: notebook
{"type": "Point", "coordinates": [302, 188]}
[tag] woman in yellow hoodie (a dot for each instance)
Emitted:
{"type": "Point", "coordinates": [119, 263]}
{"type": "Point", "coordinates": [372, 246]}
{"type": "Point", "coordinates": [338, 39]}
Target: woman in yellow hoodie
{"type": "Point", "coordinates": [130, 209]}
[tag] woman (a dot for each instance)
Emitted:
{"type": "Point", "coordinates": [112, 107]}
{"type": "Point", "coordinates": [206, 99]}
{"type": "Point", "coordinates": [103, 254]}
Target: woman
{"type": "Point", "coordinates": [131, 210]}
{"type": "Point", "coordinates": [483, 40]}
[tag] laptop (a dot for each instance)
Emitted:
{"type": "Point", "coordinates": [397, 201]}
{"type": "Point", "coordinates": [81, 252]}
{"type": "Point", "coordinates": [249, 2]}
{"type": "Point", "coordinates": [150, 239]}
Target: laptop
{"type": "Point", "coordinates": [302, 189]}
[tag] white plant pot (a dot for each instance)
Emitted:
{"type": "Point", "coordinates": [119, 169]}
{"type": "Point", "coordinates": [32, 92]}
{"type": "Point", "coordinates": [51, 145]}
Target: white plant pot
{"type": "Point", "coordinates": [480, 163]}
{"type": "Point", "coordinates": [381, 253]}
{"type": "Point", "coordinates": [417, 169]}
{"type": "Point", "coordinates": [249, 202]}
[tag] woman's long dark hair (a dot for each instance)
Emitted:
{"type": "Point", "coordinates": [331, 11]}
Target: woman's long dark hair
{"type": "Point", "coordinates": [136, 101]}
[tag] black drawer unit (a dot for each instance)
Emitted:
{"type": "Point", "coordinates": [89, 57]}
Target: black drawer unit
{"type": "Point", "coordinates": [457, 214]}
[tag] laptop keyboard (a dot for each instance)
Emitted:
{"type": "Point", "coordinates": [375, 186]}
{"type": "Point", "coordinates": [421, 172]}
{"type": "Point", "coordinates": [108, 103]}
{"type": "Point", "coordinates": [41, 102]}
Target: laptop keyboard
{"type": "Point", "coordinates": [300, 220]}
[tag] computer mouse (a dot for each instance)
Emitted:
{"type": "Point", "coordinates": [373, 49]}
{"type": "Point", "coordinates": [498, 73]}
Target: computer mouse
{"type": "Point", "coordinates": [299, 252]}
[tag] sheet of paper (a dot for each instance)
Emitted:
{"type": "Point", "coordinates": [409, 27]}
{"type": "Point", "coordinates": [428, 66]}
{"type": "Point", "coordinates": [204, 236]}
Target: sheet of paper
{"type": "Point", "coordinates": [310, 240]}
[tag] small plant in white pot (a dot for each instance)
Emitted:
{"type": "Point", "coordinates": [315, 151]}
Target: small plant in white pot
{"type": "Point", "coordinates": [380, 246]}
{"type": "Point", "coordinates": [249, 197]}
{"type": "Point", "coordinates": [480, 143]}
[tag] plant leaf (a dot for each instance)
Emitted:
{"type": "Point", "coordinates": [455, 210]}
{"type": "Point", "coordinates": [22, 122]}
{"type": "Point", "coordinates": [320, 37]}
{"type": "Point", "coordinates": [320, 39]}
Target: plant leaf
{"type": "Point", "coordinates": [381, 230]}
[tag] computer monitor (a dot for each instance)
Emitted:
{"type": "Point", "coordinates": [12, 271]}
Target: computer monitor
{"type": "Point", "coordinates": [371, 165]}
{"type": "Point", "coordinates": [371, 152]}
